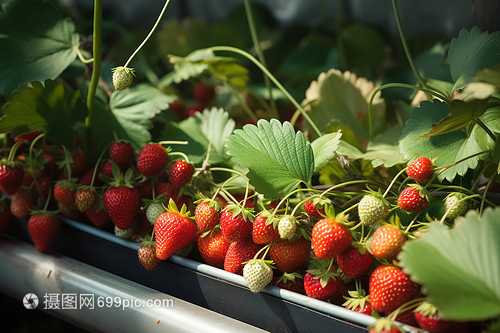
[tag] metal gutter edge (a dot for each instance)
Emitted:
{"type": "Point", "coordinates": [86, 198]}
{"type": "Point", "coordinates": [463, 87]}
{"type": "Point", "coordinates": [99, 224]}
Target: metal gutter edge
{"type": "Point", "coordinates": [25, 270]}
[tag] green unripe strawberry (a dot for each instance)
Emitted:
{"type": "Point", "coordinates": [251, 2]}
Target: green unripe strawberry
{"type": "Point", "coordinates": [456, 209]}
{"type": "Point", "coordinates": [154, 210]}
{"type": "Point", "coordinates": [124, 233]}
{"type": "Point", "coordinates": [372, 209]}
{"type": "Point", "coordinates": [122, 77]}
{"type": "Point", "coordinates": [287, 226]}
{"type": "Point", "coordinates": [257, 274]}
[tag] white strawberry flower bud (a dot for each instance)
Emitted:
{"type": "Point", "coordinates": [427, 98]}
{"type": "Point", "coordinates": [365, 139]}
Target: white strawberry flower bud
{"type": "Point", "coordinates": [287, 226]}
{"type": "Point", "coordinates": [257, 274]}
{"type": "Point", "coordinates": [122, 77]}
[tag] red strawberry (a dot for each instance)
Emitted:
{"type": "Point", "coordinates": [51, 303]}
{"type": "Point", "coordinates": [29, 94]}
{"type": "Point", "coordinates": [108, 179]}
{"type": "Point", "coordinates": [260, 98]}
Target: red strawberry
{"type": "Point", "coordinates": [213, 248]}
{"type": "Point", "coordinates": [22, 201]}
{"type": "Point", "coordinates": [420, 169]}
{"type": "Point", "coordinates": [147, 255]}
{"type": "Point", "coordinates": [122, 204]}
{"type": "Point", "coordinates": [207, 215]}
{"type": "Point", "coordinates": [407, 317]}
{"type": "Point", "coordinates": [100, 218]}
{"type": "Point", "coordinates": [64, 192]}
{"type": "Point", "coordinates": [203, 93]}
{"type": "Point", "coordinates": [262, 231]}
{"type": "Point", "coordinates": [389, 288]}
{"type": "Point", "coordinates": [411, 200]}
{"type": "Point", "coordinates": [354, 261]}
{"type": "Point", "coordinates": [194, 108]}
{"type": "Point", "coordinates": [168, 189]}
{"type": "Point", "coordinates": [249, 203]}
{"type": "Point", "coordinates": [152, 159]}
{"type": "Point", "coordinates": [106, 169]}
{"type": "Point", "coordinates": [290, 281]}
{"type": "Point", "coordinates": [11, 177]}
{"type": "Point", "coordinates": [173, 231]}
{"type": "Point", "coordinates": [84, 198]}
{"type": "Point", "coordinates": [5, 215]}
{"type": "Point", "coordinates": [290, 255]}
{"type": "Point", "coordinates": [121, 152]}
{"type": "Point", "coordinates": [43, 186]}
{"type": "Point", "coordinates": [43, 227]}
{"type": "Point", "coordinates": [330, 238]}
{"type": "Point", "coordinates": [313, 211]}
{"type": "Point", "coordinates": [78, 166]}
{"type": "Point", "coordinates": [181, 173]}
{"type": "Point", "coordinates": [387, 242]}
{"type": "Point", "coordinates": [30, 136]}
{"type": "Point", "coordinates": [146, 190]}
{"type": "Point", "coordinates": [239, 252]}
{"type": "Point", "coordinates": [235, 223]}
{"type": "Point", "coordinates": [178, 109]}
{"type": "Point", "coordinates": [86, 178]}
{"type": "Point", "coordinates": [321, 287]}
{"type": "Point", "coordinates": [429, 318]}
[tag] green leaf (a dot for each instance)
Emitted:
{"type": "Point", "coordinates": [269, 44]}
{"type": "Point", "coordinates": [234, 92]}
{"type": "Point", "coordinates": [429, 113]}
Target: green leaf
{"type": "Point", "coordinates": [278, 159]}
{"type": "Point", "coordinates": [206, 132]}
{"type": "Point", "coordinates": [461, 115]}
{"type": "Point", "coordinates": [384, 149]}
{"type": "Point", "coordinates": [53, 108]}
{"type": "Point", "coordinates": [491, 76]}
{"type": "Point", "coordinates": [324, 149]}
{"type": "Point", "coordinates": [364, 45]}
{"type": "Point", "coordinates": [134, 107]}
{"type": "Point", "coordinates": [450, 147]}
{"type": "Point", "coordinates": [36, 43]}
{"type": "Point", "coordinates": [343, 97]}
{"type": "Point", "coordinates": [471, 52]}
{"type": "Point", "coordinates": [459, 269]}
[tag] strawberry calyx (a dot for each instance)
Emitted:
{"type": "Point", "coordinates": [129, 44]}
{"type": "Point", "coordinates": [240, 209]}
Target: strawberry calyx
{"type": "Point", "coordinates": [68, 184]}
{"type": "Point", "coordinates": [358, 298]}
{"type": "Point", "coordinates": [422, 191]}
{"type": "Point", "coordinates": [247, 213]}
{"type": "Point", "coordinates": [172, 207]}
{"type": "Point", "coordinates": [323, 271]}
{"type": "Point", "coordinates": [254, 261]}
{"type": "Point", "coordinates": [427, 309]}
{"type": "Point", "coordinates": [161, 199]}
{"type": "Point", "coordinates": [211, 203]}
{"type": "Point", "coordinates": [120, 178]}
{"type": "Point", "coordinates": [289, 277]}
{"type": "Point", "coordinates": [385, 324]}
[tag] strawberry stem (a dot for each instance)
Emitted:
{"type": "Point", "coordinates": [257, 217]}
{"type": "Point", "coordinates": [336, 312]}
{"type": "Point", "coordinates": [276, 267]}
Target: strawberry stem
{"type": "Point", "coordinates": [96, 69]}
{"type": "Point", "coordinates": [32, 172]}
{"type": "Point", "coordinates": [173, 142]}
{"type": "Point", "coordinates": [13, 150]}
{"type": "Point", "coordinates": [178, 153]}
{"type": "Point", "coordinates": [456, 203]}
{"type": "Point", "coordinates": [392, 183]}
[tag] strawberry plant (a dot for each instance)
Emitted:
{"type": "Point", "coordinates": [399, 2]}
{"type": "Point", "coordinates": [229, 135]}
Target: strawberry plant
{"type": "Point", "coordinates": [318, 171]}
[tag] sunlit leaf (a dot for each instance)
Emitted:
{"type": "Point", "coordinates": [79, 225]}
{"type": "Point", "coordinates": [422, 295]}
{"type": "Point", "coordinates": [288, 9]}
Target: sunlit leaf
{"type": "Point", "coordinates": [459, 269]}
{"type": "Point", "coordinates": [278, 159]}
{"type": "Point", "coordinates": [36, 43]}
{"type": "Point", "coordinates": [384, 149]}
{"type": "Point", "coordinates": [324, 149]}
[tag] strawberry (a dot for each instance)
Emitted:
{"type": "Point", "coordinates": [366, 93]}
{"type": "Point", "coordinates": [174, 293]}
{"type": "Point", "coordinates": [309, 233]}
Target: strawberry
{"type": "Point", "coordinates": [330, 238]}
{"type": "Point", "coordinates": [121, 152]}
{"type": "Point", "coordinates": [387, 242]}
{"type": "Point", "coordinates": [154, 209]}
{"type": "Point", "coordinates": [11, 177]}
{"type": "Point", "coordinates": [152, 159]}
{"type": "Point", "coordinates": [124, 233]}
{"type": "Point", "coordinates": [121, 199]}
{"type": "Point", "coordinates": [87, 177]}
{"type": "Point", "coordinates": [207, 215]}
{"type": "Point", "coordinates": [287, 226]}
{"type": "Point", "coordinates": [29, 137]}
{"type": "Point", "coordinates": [97, 215]}
{"type": "Point", "coordinates": [456, 208]}
{"type": "Point", "coordinates": [263, 231]}
{"type": "Point", "coordinates": [5, 215]}
{"type": "Point", "coordinates": [78, 163]}
{"type": "Point", "coordinates": [420, 169]}
{"type": "Point", "coordinates": [145, 190]}
{"type": "Point", "coordinates": [143, 227]}
{"type": "Point", "coordinates": [173, 231]}
{"type": "Point", "coordinates": [43, 186]}
{"type": "Point", "coordinates": [389, 288]}
{"type": "Point", "coordinates": [313, 211]}
{"type": "Point", "coordinates": [180, 173]}
{"type": "Point", "coordinates": [64, 192]}
{"type": "Point", "coordinates": [358, 301]}
{"type": "Point", "coordinates": [290, 255]}
{"type": "Point", "coordinates": [122, 77]}
{"type": "Point", "coordinates": [203, 93]}
{"type": "Point", "coordinates": [213, 248]}
{"type": "Point", "coordinates": [239, 252]}
{"type": "Point", "coordinates": [321, 283]}
{"type": "Point", "coordinates": [257, 274]}
{"type": "Point", "coordinates": [43, 228]}
{"type": "Point", "coordinates": [354, 261]}
{"type": "Point", "coordinates": [147, 254]}
{"type": "Point", "coordinates": [372, 209]}
{"type": "Point", "coordinates": [384, 325]}
{"type": "Point", "coordinates": [192, 109]}
{"type": "Point", "coordinates": [24, 199]}
{"type": "Point", "coordinates": [178, 109]}
{"type": "Point", "coordinates": [235, 223]}
{"type": "Point", "coordinates": [84, 198]}
{"type": "Point", "coordinates": [407, 317]}
{"type": "Point", "coordinates": [429, 318]}
{"type": "Point", "coordinates": [106, 170]}
{"type": "Point", "coordinates": [168, 190]}
{"type": "Point", "coordinates": [290, 281]}
{"type": "Point", "coordinates": [410, 199]}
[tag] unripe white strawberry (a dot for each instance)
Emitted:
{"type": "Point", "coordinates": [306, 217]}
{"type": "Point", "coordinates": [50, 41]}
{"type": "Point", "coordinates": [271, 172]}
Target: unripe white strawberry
{"type": "Point", "coordinates": [124, 233]}
{"type": "Point", "coordinates": [122, 77]}
{"type": "Point", "coordinates": [372, 209]}
{"type": "Point", "coordinates": [257, 274]}
{"type": "Point", "coordinates": [458, 209]}
{"type": "Point", "coordinates": [287, 226]}
{"type": "Point", "coordinates": [154, 210]}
